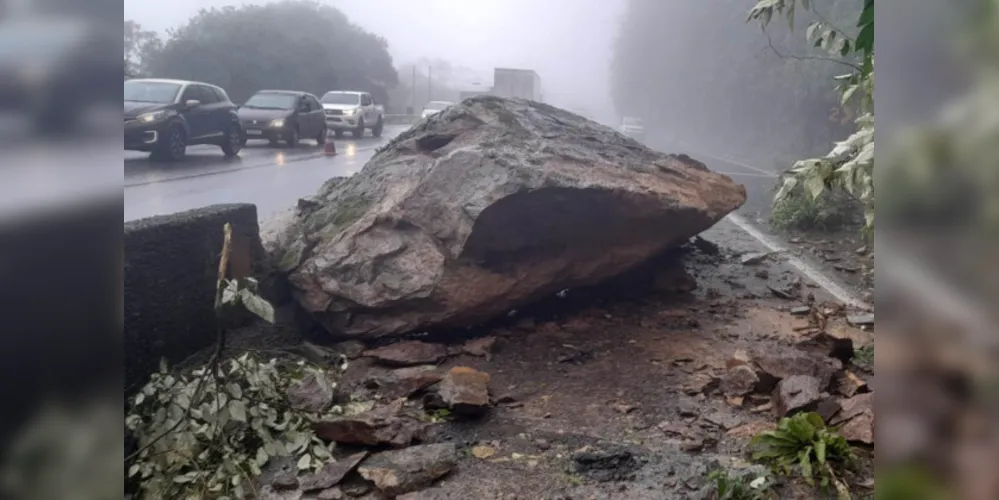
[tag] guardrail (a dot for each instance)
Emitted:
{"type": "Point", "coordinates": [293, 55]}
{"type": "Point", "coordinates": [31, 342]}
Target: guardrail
{"type": "Point", "coordinates": [401, 119]}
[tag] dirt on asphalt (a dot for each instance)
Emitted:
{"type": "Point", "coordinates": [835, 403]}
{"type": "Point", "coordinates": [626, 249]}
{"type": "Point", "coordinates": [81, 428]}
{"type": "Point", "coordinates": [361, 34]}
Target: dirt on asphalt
{"type": "Point", "coordinates": [613, 392]}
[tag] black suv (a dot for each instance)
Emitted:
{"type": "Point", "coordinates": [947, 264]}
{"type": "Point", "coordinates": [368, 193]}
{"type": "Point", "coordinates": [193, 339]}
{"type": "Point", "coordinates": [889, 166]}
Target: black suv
{"type": "Point", "coordinates": [163, 117]}
{"type": "Point", "coordinates": [286, 115]}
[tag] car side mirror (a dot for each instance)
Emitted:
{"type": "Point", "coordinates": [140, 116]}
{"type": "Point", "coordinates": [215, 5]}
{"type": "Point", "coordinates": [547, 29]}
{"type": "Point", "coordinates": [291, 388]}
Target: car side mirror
{"type": "Point", "coordinates": [192, 103]}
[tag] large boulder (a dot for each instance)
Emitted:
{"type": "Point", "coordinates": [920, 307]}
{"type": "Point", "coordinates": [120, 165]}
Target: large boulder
{"type": "Point", "coordinates": [483, 207]}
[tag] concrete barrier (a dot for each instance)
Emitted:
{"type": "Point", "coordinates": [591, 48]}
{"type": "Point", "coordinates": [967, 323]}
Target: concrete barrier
{"type": "Point", "coordinates": [170, 273]}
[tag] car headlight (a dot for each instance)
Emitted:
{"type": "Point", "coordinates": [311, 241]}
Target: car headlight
{"type": "Point", "coordinates": [277, 123]}
{"type": "Point", "coordinates": [349, 112]}
{"type": "Point", "coordinates": [152, 117]}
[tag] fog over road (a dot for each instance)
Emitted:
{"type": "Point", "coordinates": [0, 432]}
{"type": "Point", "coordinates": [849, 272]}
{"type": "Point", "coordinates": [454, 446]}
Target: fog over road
{"type": "Point", "coordinates": [272, 178]}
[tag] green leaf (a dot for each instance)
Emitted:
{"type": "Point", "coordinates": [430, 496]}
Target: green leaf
{"type": "Point", "coordinates": [865, 39]}
{"type": "Point", "coordinates": [134, 469]}
{"type": "Point", "coordinates": [257, 305]}
{"type": "Point", "coordinates": [845, 49]}
{"type": "Point", "coordinates": [305, 462]}
{"type": "Point", "coordinates": [820, 451]}
{"type": "Point", "coordinates": [815, 185]}
{"type": "Point", "coordinates": [805, 462]}
{"type": "Point", "coordinates": [237, 410]}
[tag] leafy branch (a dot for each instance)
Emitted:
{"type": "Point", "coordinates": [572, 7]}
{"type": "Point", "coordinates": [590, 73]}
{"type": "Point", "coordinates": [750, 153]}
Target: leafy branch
{"type": "Point", "coordinates": [207, 431]}
{"type": "Point", "coordinates": [850, 165]}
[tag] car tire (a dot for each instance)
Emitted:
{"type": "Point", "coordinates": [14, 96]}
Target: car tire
{"type": "Point", "coordinates": [292, 138]}
{"type": "Point", "coordinates": [233, 142]}
{"type": "Point", "coordinates": [377, 129]}
{"type": "Point", "coordinates": [172, 146]}
{"type": "Point", "coordinates": [359, 131]}
{"type": "Point", "coordinates": [338, 133]}
{"type": "Point", "coordinates": [321, 138]}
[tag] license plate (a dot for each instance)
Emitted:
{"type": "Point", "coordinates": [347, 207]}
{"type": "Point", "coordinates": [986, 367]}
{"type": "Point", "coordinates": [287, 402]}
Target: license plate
{"type": "Point", "coordinates": [254, 132]}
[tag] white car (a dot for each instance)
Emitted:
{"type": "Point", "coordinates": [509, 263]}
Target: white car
{"type": "Point", "coordinates": [633, 127]}
{"type": "Point", "coordinates": [434, 107]}
{"type": "Point", "coordinates": [352, 111]}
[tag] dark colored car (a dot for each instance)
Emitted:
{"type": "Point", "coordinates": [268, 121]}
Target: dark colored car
{"type": "Point", "coordinates": [163, 117]}
{"type": "Point", "coordinates": [283, 115]}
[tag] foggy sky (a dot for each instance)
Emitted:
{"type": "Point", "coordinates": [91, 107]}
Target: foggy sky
{"type": "Point", "coordinates": [568, 42]}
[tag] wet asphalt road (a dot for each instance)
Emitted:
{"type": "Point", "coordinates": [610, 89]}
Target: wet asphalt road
{"type": "Point", "coordinates": [273, 178]}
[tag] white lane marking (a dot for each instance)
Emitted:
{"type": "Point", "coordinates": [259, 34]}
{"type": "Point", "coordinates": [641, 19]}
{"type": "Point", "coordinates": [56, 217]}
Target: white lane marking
{"type": "Point", "coordinates": [827, 283]}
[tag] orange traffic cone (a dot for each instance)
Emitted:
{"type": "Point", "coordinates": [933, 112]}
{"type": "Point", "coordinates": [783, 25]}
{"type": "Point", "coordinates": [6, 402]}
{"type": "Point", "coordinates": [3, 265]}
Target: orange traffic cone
{"type": "Point", "coordinates": [330, 149]}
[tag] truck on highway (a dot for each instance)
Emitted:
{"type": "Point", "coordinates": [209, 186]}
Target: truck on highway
{"type": "Point", "coordinates": [522, 83]}
{"type": "Point", "coordinates": [348, 110]}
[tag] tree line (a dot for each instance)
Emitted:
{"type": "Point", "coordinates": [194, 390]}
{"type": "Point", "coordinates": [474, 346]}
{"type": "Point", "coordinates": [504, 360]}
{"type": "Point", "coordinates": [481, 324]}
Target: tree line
{"type": "Point", "coordinates": [294, 44]}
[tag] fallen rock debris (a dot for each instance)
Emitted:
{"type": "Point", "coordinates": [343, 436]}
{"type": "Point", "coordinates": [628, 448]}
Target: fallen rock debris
{"type": "Point", "coordinates": [332, 473]}
{"type": "Point", "coordinates": [403, 471]}
{"type": "Point", "coordinates": [465, 391]}
{"type": "Point", "coordinates": [396, 248]}
{"type": "Point", "coordinates": [388, 425]}
{"type": "Point", "coordinates": [408, 353]}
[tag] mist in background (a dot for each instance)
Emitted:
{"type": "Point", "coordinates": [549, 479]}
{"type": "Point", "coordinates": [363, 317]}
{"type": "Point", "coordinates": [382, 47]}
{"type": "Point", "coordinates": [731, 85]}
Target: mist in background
{"type": "Point", "coordinates": [568, 42]}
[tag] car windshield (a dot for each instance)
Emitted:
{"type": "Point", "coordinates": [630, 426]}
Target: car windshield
{"type": "Point", "coordinates": [145, 91]}
{"type": "Point", "coordinates": [271, 100]}
{"type": "Point", "coordinates": [341, 98]}
{"type": "Point", "coordinates": [437, 105]}
{"type": "Point", "coordinates": [632, 122]}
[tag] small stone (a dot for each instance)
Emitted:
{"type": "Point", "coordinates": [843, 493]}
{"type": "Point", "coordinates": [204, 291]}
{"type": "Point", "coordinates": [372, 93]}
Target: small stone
{"type": "Point", "coordinates": [331, 494]}
{"type": "Point", "coordinates": [847, 384]}
{"type": "Point", "coordinates": [387, 425]}
{"type": "Point", "coordinates": [856, 419]}
{"type": "Point", "coordinates": [763, 408]}
{"type": "Point", "coordinates": [355, 487]}
{"type": "Point", "coordinates": [693, 445]}
{"type": "Point", "coordinates": [701, 383]}
{"type": "Point", "coordinates": [404, 382]}
{"type": "Point", "coordinates": [624, 408]}
{"type": "Point", "coordinates": [800, 311]}
{"type": "Point", "coordinates": [861, 319]}
{"type": "Point", "coordinates": [827, 408]}
{"type": "Point", "coordinates": [862, 250]}
{"type": "Point", "coordinates": [312, 394]}
{"type": "Point", "coordinates": [762, 274]}
{"type": "Point", "coordinates": [688, 408]}
{"type": "Point", "coordinates": [483, 452]}
{"type": "Point", "coordinates": [708, 247]}
{"type": "Point", "coordinates": [408, 353]}
{"type": "Point", "coordinates": [332, 473]}
{"type": "Point", "coordinates": [739, 357]}
{"type": "Point", "coordinates": [542, 444]}
{"type": "Point", "coordinates": [481, 347]}
{"type": "Point", "coordinates": [285, 480]}
{"type": "Point", "coordinates": [352, 349]}
{"type": "Point", "coordinates": [399, 472]}
{"type": "Point", "coordinates": [753, 258]}
{"type": "Point", "coordinates": [796, 393]}
{"type": "Point", "coordinates": [465, 391]}
{"type": "Point", "coordinates": [775, 367]}
{"type": "Point", "coordinates": [739, 381]}
{"type": "Point", "coordinates": [736, 402]}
